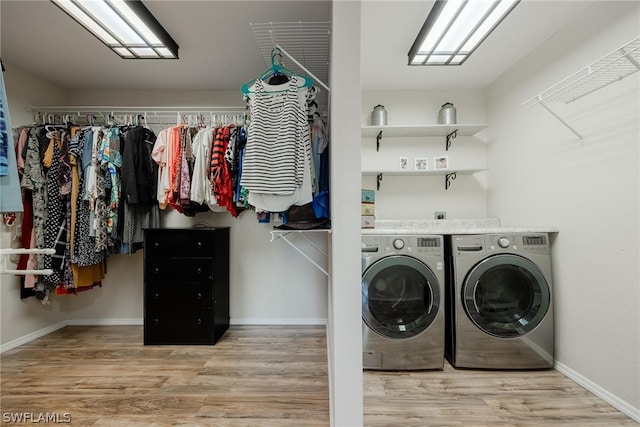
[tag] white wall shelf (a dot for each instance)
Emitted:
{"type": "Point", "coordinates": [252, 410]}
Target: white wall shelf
{"type": "Point", "coordinates": [417, 173]}
{"type": "Point", "coordinates": [422, 130]}
{"type": "Point", "coordinates": [609, 69]}
{"type": "Point", "coordinates": [448, 131]}
{"type": "Point", "coordinates": [449, 175]}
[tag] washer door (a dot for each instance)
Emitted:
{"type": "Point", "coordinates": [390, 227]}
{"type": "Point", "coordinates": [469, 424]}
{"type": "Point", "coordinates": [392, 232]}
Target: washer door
{"type": "Point", "coordinates": [506, 295]}
{"type": "Point", "coordinates": [400, 296]}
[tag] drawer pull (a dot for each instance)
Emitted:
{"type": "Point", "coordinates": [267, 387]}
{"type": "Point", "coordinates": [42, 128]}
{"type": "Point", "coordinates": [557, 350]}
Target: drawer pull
{"type": "Point", "coordinates": [156, 296]}
{"type": "Point", "coordinates": [199, 296]}
{"type": "Point", "coordinates": [199, 321]}
{"type": "Point", "coordinates": [199, 245]}
{"type": "Point", "coordinates": [156, 321]}
{"type": "Point", "coordinates": [156, 270]}
{"type": "Point", "coordinates": [198, 271]}
{"type": "Point", "coordinates": [156, 245]}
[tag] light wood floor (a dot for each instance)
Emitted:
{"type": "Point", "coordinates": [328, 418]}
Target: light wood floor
{"type": "Point", "coordinates": [266, 376]}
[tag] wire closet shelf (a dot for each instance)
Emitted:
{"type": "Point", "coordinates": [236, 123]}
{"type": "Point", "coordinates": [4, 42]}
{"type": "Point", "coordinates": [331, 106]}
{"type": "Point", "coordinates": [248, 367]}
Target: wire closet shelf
{"type": "Point", "coordinates": [145, 114]}
{"type": "Point", "coordinates": [308, 42]}
{"type": "Point", "coordinates": [609, 69]}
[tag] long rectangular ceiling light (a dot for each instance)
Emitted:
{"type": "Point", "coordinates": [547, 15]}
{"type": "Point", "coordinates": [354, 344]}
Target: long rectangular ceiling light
{"type": "Point", "coordinates": [455, 28]}
{"type": "Point", "coordinates": [125, 26]}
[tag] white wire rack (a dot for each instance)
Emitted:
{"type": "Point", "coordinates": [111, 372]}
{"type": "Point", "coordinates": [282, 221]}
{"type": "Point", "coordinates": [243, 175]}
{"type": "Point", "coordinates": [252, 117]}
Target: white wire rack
{"type": "Point", "coordinates": [149, 114]}
{"type": "Point", "coordinates": [308, 42]}
{"type": "Point", "coordinates": [609, 69]}
{"type": "Point", "coordinates": [4, 253]}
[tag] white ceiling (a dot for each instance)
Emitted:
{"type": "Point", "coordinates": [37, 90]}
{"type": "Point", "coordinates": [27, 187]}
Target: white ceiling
{"type": "Point", "coordinates": [390, 27]}
{"type": "Point", "coordinates": [218, 50]}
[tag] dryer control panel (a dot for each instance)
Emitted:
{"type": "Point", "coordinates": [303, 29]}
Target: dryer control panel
{"type": "Point", "coordinates": [529, 243]}
{"type": "Point", "coordinates": [533, 243]}
{"type": "Point", "coordinates": [426, 245]}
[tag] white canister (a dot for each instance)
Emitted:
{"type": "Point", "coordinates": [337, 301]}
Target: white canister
{"type": "Point", "coordinates": [447, 115]}
{"type": "Point", "coordinates": [379, 116]}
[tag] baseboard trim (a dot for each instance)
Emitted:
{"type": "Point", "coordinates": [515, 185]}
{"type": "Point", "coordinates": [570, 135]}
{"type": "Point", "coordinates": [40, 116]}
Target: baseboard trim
{"type": "Point", "coordinates": [32, 336]}
{"type": "Point", "coordinates": [106, 322]}
{"type": "Point", "coordinates": [271, 321]}
{"type": "Point", "coordinates": [613, 400]}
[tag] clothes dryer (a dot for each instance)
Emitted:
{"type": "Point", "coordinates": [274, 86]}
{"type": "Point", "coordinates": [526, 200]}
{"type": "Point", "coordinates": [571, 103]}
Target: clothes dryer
{"type": "Point", "coordinates": [500, 302]}
{"type": "Point", "coordinates": [403, 302]}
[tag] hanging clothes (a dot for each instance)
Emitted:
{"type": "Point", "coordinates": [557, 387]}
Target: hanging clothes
{"type": "Point", "coordinates": [87, 265]}
{"type": "Point", "coordinates": [10, 195]}
{"type": "Point", "coordinates": [55, 220]}
{"type": "Point", "coordinates": [201, 191]}
{"type": "Point", "coordinates": [139, 187]}
{"type": "Point", "coordinates": [276, 169]}
{"type": "Point", "coordinates": [160, 155]}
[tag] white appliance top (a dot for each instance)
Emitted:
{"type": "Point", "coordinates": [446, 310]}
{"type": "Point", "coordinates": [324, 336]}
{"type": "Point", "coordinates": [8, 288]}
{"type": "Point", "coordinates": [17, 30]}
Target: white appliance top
{"type": "Point", "coordinates": [451, 226]}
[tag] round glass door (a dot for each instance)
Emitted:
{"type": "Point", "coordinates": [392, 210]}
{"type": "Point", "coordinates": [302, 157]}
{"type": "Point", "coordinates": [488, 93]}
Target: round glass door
{"type": "Point", "coordinates": [400, 296]}
{"type": "Point", "coordinates": [506, 295]}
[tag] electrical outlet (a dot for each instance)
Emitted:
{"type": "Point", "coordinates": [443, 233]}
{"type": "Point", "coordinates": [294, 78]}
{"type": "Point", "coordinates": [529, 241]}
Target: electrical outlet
{"type": "Point", "coordinates": [440, 215]}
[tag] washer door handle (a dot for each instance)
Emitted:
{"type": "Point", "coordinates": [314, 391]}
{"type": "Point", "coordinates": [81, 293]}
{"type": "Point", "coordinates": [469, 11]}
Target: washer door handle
{"type": "Point", "coordinates": [475, 289]}
{"type": "Point", "coordinates": [428, 289]}
{"type": "Point", "coordinates": [474, 248]}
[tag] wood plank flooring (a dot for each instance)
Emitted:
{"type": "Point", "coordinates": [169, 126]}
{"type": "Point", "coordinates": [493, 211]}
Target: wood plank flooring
{"type": "Point", "coordinates": [266, 376]}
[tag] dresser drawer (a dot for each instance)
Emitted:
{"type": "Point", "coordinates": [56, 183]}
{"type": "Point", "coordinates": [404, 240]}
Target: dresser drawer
{"type": "Point", "coordinates": [183, 243]}
{"type": "Point", "coordinates": [179, 326]}
{"type": "Point", "coordinates": [172, 270]}
{"type": "Point", "coordinates": [196, 295]}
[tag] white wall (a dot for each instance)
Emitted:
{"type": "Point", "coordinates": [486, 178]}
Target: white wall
{"type": "Point", "coordinates": [19, 318]}
{"type": "Point", "coordinates": [540, 173]}
{"type": "Point", "coordinates": [344, 335]}
{"type": "Point", "coordinates": [418, 197]}
{"type": "Point", "coordinates": [270, 282]}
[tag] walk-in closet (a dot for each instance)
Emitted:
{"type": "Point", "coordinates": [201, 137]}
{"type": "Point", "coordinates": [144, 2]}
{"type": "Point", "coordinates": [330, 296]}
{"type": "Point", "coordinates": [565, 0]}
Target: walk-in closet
{"type": "Point", "coordinates": [184, 208]}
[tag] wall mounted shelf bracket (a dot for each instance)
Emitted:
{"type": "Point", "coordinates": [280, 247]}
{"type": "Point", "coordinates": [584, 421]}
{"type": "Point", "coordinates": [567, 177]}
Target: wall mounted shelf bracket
{"type": "Point", "coordinates": [283, 234]}
{"type": "Point", "coordinates": [451, 136]}
{"type": "Point", "coordinates": [546, 107]}
{"type": "Point", "coordinates": [448, 178]}
{"type": "Point", "coordinates": [378, 139]}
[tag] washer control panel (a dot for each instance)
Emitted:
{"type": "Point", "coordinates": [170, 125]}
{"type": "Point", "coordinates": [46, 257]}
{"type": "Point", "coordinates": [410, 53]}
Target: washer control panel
{"type": "Point", "coordinates": [432, 245]}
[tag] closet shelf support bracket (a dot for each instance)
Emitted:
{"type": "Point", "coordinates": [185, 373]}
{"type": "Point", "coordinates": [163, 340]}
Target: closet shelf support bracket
{"type": "Point", "coordinates": [378, 139]}
{"type": "Point", "coordinates": [378, 181]}
{"type": "Point", "coordinates": [451, 136]}
{"type": "Point", "coordinates": [21, 251]}
{"type": "Point", "coordinates": [448, 178]}
{"type": "Point", "coordinates": [283, 235]}
{"type": "Point", "coordinates": [305, 69]}
{"type": "Point", "coordinates": [546, 107]}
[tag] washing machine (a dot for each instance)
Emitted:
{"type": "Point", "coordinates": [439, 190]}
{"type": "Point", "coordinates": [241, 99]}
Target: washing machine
{"type": "Point", "coordinates": [403, 302]}
{"type": "Point", "coordinates": [499, 300]}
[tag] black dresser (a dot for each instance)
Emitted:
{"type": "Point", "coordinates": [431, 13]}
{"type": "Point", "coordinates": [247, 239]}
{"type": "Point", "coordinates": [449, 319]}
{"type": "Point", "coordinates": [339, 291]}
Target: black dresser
{"type": "Point", "coordinates": [186, 285]}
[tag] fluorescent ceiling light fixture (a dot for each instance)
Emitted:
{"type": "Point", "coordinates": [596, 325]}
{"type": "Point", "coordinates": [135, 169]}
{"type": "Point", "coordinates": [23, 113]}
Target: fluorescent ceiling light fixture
{"type": "Point", "coordinates": [125, 26]}
{"type": "Point", "coordinates": [455, 28]}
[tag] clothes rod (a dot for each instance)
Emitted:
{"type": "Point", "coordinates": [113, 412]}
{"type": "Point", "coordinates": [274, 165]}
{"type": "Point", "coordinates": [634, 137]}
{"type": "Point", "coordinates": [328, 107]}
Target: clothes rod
{"type": "Point", "coordinates": [130, 109]}
{"type": "Point", "coordinates": [320, 82]}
